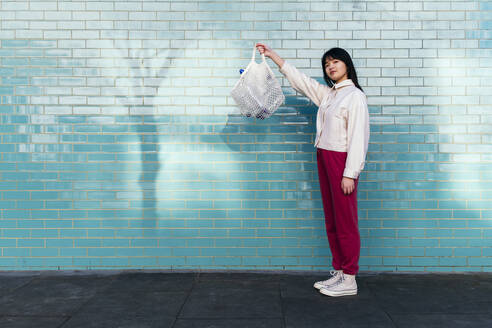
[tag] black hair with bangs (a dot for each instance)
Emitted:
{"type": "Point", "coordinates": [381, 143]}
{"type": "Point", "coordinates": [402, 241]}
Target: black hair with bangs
{"type": "Point", "coordinates": [343, 55]}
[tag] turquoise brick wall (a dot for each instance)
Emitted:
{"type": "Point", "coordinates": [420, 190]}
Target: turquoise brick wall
{"type": "Point", "coordinates": [122, 149]}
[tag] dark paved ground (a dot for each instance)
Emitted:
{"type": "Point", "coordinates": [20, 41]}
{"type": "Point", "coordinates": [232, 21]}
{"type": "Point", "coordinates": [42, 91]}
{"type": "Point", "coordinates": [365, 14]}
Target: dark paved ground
{"type": "Point", "coordinates": [237, 300]}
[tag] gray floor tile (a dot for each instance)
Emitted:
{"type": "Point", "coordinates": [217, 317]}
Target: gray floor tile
{"type": "Point", "coordinates": [442, 320]}
{"type": "Point", "coordinates": [228, 323]}
{"type": "Point", "coordinates": [425, 294]}
{"type": "Point", "coordinates": [153, 304]}
{"type": "Point", "coordinates": [10, 283]}
{"type": "Point", "coordinates": [240, 302]}
{"type": "Point", "coordinates": [53, 296]}
{"type": "Point", "coordinates": [322, 308]}
{"type": "Point", "coordinates": [31, 322]}
{"type": "Point", "coordinates": [166, 282]}
{"type": "Point", "coordinates": [117, 320]}
{"type": "Point", "coordinates": [239, 276]}
{"type": "Point", "coordinates": [246, 285]}
{"type": "Point", "coordinates": [329, 316]}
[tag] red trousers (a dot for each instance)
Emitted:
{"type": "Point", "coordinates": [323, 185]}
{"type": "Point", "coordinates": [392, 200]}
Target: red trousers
{"type": "Point", "coordinates": [340, 211]}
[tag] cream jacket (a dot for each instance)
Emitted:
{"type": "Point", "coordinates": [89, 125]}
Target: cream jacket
{"type": "Point", "coordinates": [342, 122]}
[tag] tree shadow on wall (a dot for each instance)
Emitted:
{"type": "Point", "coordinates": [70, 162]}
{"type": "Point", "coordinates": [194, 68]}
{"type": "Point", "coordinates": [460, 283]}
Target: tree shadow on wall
{"type": "Point", "coordinates": [148, 72]}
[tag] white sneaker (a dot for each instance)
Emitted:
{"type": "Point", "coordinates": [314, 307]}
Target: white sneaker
{"type": "Point", "coordinates": [325, 283]}
{"type": "Point", "coordinates": [346, 285]}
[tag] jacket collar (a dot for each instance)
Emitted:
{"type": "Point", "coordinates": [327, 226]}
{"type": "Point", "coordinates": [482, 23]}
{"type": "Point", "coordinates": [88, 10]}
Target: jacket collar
{"type": "Point", "coordinates": [343, 83]}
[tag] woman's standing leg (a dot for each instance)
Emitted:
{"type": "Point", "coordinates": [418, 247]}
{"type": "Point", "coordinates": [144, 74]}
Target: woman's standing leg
{"type": "Point", "coordinates": [344, 214]}
{"type": "Point", "coordinates": [328, 206]}
{"type": "Point", "coordinates": [347, 226]}
{"type": "Point", "coordinates": [329, 210]}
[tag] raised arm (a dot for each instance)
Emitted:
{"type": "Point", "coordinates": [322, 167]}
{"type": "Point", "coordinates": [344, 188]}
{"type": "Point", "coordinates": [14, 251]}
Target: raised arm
{"type": "Point", "coordinates": [306, 85]}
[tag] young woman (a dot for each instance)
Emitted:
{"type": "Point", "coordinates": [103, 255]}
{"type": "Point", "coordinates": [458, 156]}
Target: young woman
{"type": "Point", "coordinates": [342, 138]}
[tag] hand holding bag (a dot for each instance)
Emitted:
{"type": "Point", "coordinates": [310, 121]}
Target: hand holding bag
{"type": "Point", "coordinates": [258, 93]}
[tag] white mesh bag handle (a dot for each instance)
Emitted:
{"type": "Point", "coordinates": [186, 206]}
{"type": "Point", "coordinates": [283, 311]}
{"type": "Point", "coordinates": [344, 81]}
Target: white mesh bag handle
{"type": "Point", "coordinates": [258, 93]}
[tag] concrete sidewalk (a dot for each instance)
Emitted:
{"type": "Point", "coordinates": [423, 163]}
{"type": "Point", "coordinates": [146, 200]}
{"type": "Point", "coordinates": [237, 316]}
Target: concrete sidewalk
{"type": "Point", "coordinates": [237, 300]}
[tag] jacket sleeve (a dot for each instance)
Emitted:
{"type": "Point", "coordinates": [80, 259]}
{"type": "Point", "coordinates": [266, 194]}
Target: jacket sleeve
{"type": "Point", "coordinates": [358, 131]}
{"type": "Point", "coordinates": [307, 86]}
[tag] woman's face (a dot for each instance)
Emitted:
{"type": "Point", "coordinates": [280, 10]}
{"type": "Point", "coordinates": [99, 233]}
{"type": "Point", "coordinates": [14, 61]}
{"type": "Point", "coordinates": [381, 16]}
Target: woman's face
{"type": "Point", "coordinates": [335, 69]}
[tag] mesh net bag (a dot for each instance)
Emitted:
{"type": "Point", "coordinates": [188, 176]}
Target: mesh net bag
{"type": "Point", "coordinates": [258, 93]}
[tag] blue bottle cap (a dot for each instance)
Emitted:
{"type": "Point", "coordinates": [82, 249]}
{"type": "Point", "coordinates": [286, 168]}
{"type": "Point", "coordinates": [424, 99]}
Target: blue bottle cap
{"type": "Point", "coordinates": [241, 71]}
